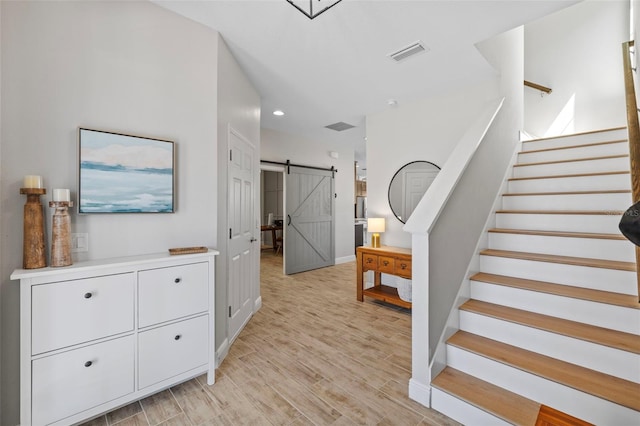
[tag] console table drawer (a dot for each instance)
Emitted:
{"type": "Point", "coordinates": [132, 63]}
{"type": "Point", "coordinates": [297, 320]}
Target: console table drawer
{"type": "Point", "coordinates": [166, 294]}
{"type": "Point", "coordinates": [70, 312]}
{"type": "Point", "coordinates": [403, 268]}
{"type": "Point", "coordinates": [369, 261]}
{"type": "Point", "coordinates": [172, 349]}
{"type": "Point", "coordinates": [74, 381]}
{"type": "Point", "coordinates": [386, 264]}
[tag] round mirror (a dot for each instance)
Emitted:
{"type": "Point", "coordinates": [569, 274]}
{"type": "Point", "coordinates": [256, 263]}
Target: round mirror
{"type": "Point", "coordinates": [408, 186]}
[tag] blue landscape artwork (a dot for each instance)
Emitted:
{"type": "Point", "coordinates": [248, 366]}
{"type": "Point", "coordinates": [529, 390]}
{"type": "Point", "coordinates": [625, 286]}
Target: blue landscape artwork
{"type": "Point", "coordinates": [125, 174]}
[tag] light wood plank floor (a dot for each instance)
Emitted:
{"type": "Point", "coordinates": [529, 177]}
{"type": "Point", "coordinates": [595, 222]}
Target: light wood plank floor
{"type": "Point", "coordinates": [312, 355]}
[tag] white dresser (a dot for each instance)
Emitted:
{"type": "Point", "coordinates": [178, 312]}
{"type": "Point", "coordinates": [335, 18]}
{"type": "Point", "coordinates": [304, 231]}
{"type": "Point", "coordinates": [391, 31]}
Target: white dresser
{"type": "Point", "coordinates": [100, 334]}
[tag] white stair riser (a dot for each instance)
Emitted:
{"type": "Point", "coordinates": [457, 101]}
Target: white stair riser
{"type": "Point", "coordinates": [600, 223]}
{"type": "Point", "coordinates": [612, 135]}
{"type": "Point", "coordinates": [461, 411]}
{"type": "Point", "coordinates": [594, 202]}
{"type": "Point", "coordinates": [581, 183]}
{"type": "Point", "coordinates": [593, 248]}
{"type": "Point", "coordinates": [576, 403]}
{"type": "Point", "coordinates": [572, 167]}
{"type": "Point", "coordinates": [589, 151]}
{"type": "Point", "coordinates": [580, 276]}
{"type": "Point", "coordinates": [622, 364]}
{"type": "Point", "coordinates": [587, 312]}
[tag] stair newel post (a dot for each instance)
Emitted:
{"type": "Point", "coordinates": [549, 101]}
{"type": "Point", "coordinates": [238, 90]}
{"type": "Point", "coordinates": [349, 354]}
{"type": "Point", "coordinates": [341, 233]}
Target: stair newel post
{"type": "Point", "coordinates": [633, 129]}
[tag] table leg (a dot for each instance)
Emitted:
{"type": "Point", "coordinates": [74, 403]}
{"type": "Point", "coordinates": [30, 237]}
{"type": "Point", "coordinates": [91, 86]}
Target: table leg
{"type": "Point", "coordinates": [273, 240]}
{"type": "Point", "coordinates": [359, 278]}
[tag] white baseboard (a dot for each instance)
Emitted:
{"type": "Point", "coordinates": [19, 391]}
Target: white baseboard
{"type": "Point", "coordinates": [420, 393]}
{"type": "Point", "coordinates": [257, 304]}
{"type": "Point", "coordinates": [222, 352]}
{"type": "Point", "coordinates": [345, 259]}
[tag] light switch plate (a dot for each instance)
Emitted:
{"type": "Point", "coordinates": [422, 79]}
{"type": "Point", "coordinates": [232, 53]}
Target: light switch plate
{"type": "Point", "coordinates": [79, 242]}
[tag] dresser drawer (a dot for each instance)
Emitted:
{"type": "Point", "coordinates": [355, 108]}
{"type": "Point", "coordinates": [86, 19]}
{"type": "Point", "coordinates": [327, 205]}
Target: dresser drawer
{"type": "Point", "coordinates": [403, 268]}
{"type": "Point", "coordinates": [74, 381]}
{"type": "Point", "coordinates": [172, 349]}
{"type": "Point", "coordinates": [369, 262]}
{"type": "Point", "coordinates": [169, 293]}
{"type": "Point", "coordinates": [71, 312]}
{"type": "Point", "coordinates": [386, 264]}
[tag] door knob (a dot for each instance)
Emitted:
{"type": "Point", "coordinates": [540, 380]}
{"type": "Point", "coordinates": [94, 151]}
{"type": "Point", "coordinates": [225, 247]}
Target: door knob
{"type": "Point", "coordinates": [252, 240]}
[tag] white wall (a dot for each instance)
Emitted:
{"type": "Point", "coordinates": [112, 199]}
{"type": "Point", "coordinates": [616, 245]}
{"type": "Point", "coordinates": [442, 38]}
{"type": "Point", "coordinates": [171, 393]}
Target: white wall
{"type": "Point", "coordinates": [577, 53]}
{"type": "Point", "coordinates": [278, 146]}
{"type": "Point", "coordinates": [425, 130]}
{"type": "Point", "coordinates": [126, 66]}
{"type": "Point", "coordinates": [238, 108]}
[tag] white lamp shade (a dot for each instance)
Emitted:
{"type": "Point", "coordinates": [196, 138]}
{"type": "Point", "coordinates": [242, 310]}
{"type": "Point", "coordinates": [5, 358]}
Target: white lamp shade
{"type": "Point", "coordinates": [375, 224]}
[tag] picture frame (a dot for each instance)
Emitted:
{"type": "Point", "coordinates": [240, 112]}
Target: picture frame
{"type": "Point", "coordinates": [120, 173]}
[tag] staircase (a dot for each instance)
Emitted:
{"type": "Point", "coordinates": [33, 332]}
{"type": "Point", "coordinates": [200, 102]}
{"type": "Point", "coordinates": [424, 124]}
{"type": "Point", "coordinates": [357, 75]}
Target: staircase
{"type": "Point", "coordinates": [554, 318]}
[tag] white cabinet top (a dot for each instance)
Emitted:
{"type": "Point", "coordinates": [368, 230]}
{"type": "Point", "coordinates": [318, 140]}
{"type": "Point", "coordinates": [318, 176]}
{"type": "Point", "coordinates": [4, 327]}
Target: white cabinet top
{"type": "Point", "coordinates": [134, 262]}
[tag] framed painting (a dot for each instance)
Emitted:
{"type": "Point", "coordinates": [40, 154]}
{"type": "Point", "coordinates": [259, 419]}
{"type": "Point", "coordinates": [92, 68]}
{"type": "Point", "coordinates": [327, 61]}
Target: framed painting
{"type": "Point", "coordinates": [121, 173]}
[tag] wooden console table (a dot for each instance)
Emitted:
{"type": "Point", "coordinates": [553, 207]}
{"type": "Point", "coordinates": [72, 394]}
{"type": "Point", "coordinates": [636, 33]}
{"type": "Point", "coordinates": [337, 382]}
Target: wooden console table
{"type": "Point", "coordinates": [390, 260]}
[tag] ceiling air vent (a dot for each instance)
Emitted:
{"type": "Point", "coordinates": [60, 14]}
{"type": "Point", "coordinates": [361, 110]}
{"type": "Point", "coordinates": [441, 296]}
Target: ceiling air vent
{"type": "Point", "coordinates": [340, 126]}
{"type": "Point", "coordinates": [405, 52]}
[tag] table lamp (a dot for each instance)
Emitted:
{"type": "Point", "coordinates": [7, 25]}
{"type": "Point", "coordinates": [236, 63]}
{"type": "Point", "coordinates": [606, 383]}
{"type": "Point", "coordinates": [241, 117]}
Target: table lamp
{"type": "Point", "coordinates": [375, 225]}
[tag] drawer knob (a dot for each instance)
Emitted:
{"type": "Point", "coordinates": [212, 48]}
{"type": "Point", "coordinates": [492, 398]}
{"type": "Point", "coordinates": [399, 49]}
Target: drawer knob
{"type": "Point", "coordinates": [177, 280]}
{"type": "Point", "coordinates": [178, 336]}
{"type": "Point", "coordinates": [403, 266]}
{"type": "Point", "coordinates": [369, 260]}
{"type": "Point", "coordinates": [88, 364]}
{"type": "Point", "coordinates": [386, 263]}
{"type": "Point", "coordinates": [88, 295]}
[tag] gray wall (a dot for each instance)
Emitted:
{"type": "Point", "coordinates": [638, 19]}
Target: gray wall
{"type": "Point", "coordinates": [124, 66]}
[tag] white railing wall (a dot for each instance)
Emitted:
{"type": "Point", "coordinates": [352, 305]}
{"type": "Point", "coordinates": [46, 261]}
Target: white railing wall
{"type": "Point", "coordinates": [440, 227]}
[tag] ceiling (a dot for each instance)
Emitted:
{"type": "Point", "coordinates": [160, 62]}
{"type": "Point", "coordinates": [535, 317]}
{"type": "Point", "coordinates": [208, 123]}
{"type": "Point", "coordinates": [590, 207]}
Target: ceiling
{"type": "Point", "coordinates": [336, 67]}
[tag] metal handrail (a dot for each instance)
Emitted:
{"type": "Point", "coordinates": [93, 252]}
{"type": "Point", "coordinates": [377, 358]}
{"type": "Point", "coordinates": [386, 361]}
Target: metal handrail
{"type": "Point", "coordinates": [633, 129]}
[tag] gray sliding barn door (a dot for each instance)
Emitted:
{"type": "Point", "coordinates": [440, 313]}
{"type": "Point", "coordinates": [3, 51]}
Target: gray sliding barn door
{"type": "Point", "coordinates": [310, 220]}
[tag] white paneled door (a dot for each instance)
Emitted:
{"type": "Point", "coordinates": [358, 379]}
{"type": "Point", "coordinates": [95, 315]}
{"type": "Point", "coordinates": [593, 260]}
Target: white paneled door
{"type": "Point", "coordinates": [310, 221]}
{"type": "Point", "coordinates": [241, 232]}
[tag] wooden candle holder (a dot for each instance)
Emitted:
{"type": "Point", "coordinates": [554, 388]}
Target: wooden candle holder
{"type": "Point", "coordinates": [61, 234]}
{"type": "Point", "coordinates": [33, 248]}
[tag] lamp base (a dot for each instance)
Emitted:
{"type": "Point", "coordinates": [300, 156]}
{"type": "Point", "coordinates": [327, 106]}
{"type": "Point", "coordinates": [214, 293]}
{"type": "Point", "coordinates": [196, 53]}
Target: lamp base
{"type": "Point", "coordinates": [375, 240]}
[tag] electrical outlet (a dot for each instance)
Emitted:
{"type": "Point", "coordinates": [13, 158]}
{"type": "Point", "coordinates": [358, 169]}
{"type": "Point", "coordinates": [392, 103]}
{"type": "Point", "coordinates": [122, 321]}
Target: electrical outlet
{"type": "Point", "coordinates": [79, 242]}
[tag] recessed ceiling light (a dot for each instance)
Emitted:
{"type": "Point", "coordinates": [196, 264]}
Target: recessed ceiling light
{"type": "Point", "coordinates": [278, 112]}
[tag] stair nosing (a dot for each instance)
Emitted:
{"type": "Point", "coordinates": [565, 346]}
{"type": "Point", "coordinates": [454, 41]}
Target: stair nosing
{"type": "Point", "coordinates": [590, 132]}
{"type": "Point", "coordinates": [519, 400]}
{"type": "Point", "coordinates": [627, 342]}
{"type": "Point", "coordinates": [610, 191]}
{"type": "Point", "coordinates": [575, 175]}
{"type": "Point", "coordinates": [580, 378]}
{"type": "Point", "coordinates": [565, 234]}
{"type": "Point", "coordinates": [561, 290]}
{"type": "Point", "coordinates": [564, 212]}
{"type": "Point", "coordinates": [568, 260]}
{"type": "Point", "coordinates": [605, 157]}
{"type": "Point", "coordinates": [574, 146]}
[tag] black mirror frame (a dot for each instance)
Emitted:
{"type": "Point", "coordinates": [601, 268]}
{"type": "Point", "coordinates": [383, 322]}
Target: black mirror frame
{"type": "Point", "coordinates": [396, 174]}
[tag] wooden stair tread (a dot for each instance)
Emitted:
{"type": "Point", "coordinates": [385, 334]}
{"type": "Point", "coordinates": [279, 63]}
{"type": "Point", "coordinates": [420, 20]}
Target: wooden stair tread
{"type": "Point", "coordinates": [508, 406]}
{"type": "Point", "coordinates": [610, 388]}
{"type": "Point", "coordinates": [566, 212]}
{"type": "Point", "coordinates": [574, 146]}
{"type": "Point", "coordinates": [599, 296]}
{"type": "Point", "coordinates": [594, 235]}
{"type": "Point", "coordinates": [568, 260]}
{"type": "Point", "coordinates": [621, 172]}
{"type": "Point", "coordinates": [538, 163]}
{"type": "Point", "coordinates": [590, 132]}
{"type": "Point", "coordinates": [611, 191]}
{"type": "Point", "coordinates": [590, 333]}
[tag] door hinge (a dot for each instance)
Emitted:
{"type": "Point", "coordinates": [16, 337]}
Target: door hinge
{"type": "Point", "coordinates": [229, 233]}
{"type": "Point", "coordinates": [229, 311]}
{"type": "Point", "coordinates": [230, 155]}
